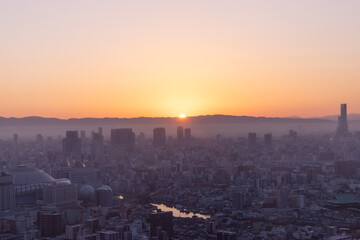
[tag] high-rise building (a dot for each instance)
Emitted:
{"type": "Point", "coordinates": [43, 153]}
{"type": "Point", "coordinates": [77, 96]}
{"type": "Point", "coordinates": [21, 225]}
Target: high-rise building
{"type": "Point", "coordinates": [210, 226]}
{"type": "Point", "coordinates": [164, 220]}
{"type": "Point", "coordinates": [39, 139]}
{"type": "Point", "coordinates": [282, 198]}
{"type": "Point", "coordinates": [83, 175]}
{"type": "Point", "coordinates": [83, 135]}
{"type": "Point", "coordinates": [72, 143]}
{"type": "Point", "coordinates": [297, 201]}
{"type": "Point", "coordinates": [123, 137]}
{"type": "Point", "coordinates": [62, 193]}
{"type": "Point", "coordinates": [180, 134]}
{"type": "Point", "coordinates": [16, 139]}
{"type": "Point", "coordinates": [268, 140]}
{"type": "Point", "coordinates": [97, 147]}
{"type": "Point", "coordinates": [108, 235]}
{"type": "Point", "coordinates": [159, 137]}
{"type": "Point", "coordinates": [50, 223]}
{"type": "Point", "coordinates": [73, 232]}
{"type": "Point", "coordinates": [252, 142]}
{"type": "Point", "coordinates": [7, 195]}
{"type": "Point", "coordinates": [293, 135]}
{"type": "Point", "coordinates": [342, 121]}
{"type": "Point", "coordinates": [187, 132]}
{"type": "Point", "coordinates": [238, 200]}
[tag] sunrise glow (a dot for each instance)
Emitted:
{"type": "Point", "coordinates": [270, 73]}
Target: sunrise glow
{"type": "Point", "coordinates": [123, 60]}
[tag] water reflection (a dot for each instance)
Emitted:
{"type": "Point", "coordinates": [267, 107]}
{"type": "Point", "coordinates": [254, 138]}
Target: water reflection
{"type": "Point", "coordinates": [177, 213]}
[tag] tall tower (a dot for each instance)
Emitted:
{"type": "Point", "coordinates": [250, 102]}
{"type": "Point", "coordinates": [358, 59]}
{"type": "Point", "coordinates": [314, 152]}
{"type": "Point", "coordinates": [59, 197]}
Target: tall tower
{"type": "Point", "coordinates": [342, 121]}
{"type": "Point", "coordinates": [180, 134]}
{"type": "Point", "coordinates": [159, 137]}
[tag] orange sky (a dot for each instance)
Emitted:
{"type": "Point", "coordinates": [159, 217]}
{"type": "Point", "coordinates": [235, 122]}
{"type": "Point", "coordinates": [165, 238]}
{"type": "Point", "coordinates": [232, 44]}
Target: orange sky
{"type": "Point", "coordinates": [166, 58]}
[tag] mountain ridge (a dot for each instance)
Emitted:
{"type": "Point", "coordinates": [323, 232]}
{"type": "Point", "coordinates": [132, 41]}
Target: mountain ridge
{"type": "Point", "coordinates": [216, 118]}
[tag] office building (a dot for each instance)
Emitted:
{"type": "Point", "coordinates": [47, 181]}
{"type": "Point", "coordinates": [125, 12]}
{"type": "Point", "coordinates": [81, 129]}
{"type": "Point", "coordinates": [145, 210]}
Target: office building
{"type": "Point", "coordinates": [83, 175]}
{"type": "Point", "coordinates": [210, 226]}
{"type": "Point", "coordinates": [16, 139]}
{"type": "Point", "coordinates": [187, 133]}
{"type": "Point", "coordinates": [164, 220]}
{"type": "Point", "coordinates": [83, 135]}
{"type": "Point", "coordinates": [238, 200]}
{"type": "Point", "coordinates": [72, 143]}
{"type": "Point", "coordinates": [159, 137]}
{"type": "Point", "coordinates": [73, 232]}
{"type": "Point", "coordinates": [268, 140]}
{"type": "Point", "coordinates": [108, 235]}
{"type": "Point", "coordinates": [50, 223]}
{"type": "Point", "coordinates": [7, 195]}
{"type": "Point", "coordinates": [180, 134]}
{"type": "Point", "coordinates": [282, 198]}
{"type": "Point", "coordinates": [62, 193]}
{"type": "Point", "coordinates": [252, 141]}
{"type": "Point", "coordinates": [123, 137]}
{"type": "Point", "coordinates": [97, 147]}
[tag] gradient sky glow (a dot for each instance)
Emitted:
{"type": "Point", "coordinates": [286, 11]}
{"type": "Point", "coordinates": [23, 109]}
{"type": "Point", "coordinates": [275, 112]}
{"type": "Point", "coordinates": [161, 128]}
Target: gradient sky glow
{"type": "Point", "coordinates": [136, 58]}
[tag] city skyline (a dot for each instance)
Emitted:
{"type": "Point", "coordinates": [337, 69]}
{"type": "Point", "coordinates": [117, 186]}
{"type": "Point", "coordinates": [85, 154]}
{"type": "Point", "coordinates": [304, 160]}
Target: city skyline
{"type": "Point", "coordinates": [164, 59]}
{"type": "Point", "coordinates": [179, 120]}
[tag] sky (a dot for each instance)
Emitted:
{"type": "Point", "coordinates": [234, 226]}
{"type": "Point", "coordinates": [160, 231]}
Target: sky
{"type": "Point", "coordinates": [162, 58]}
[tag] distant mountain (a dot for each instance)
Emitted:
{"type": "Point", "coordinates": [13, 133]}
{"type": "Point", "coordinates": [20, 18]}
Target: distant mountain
{"type": "Point", "coordinates": [351, 117]}
{"type": "Point", "coordinates": [205, 119]}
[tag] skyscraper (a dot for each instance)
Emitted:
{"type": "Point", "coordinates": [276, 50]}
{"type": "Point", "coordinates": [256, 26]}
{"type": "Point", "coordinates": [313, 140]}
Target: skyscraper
{"type": "Point", "coordinates": [159, 137]}
{"type": "Point", "coordinates": [97, 146]}
{"type": "Point", "coordinates": [252, 142]}
{"type": "Point", "coordinates": [282, 198]}
{"type": "Point", "coordinates": [268, 139]}
{"type": "Point", "coordinates": [50, 223]}
{"type": "Point", "coordinates": [123, 137]}
{"type": "Point", "coordinates": [16, 139]}
{"type": "Point", "coordinates": [238, 200]}
{"type": "Point", "coordinates": [180, 134]}
{"type": "Point", "coordinates": [6, 192]}
{"type": "Point", "coordinates": [72, 143]}
{"type": "Point", "coordinates": [187, 132]}
{"type": "Point", "coordinates": [342, 122]}
{"type": "Point", "coordinates": [163, 220]}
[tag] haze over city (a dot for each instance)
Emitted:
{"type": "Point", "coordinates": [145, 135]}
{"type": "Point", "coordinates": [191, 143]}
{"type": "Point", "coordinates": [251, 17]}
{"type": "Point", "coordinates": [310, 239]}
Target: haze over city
{"type": "Point", "coordinates": [179, 120]}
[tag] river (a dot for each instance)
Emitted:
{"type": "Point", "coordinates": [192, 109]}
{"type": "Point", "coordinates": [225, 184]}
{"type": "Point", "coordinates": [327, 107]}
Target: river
{"type": "Point", "coordinates": [177, 213]}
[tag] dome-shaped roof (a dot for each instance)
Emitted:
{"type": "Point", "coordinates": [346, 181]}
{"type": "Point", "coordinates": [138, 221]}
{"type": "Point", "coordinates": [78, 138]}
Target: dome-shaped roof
{"type": "Point", "coordinates": [24, 175]}
{"type": "Point", "coordinates": [104, 188]}
{"type": "Point", "coordinates": [86, 192]}
{"type": "Point", "coordinates": [63, 182]}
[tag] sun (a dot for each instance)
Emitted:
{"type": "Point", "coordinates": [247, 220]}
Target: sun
{"type": "Point", "coordinates": [182, 116]}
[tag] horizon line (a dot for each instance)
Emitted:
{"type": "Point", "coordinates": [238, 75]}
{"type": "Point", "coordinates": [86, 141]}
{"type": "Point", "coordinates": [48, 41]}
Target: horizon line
{"type": "Point", "coordinates": [177, 117]}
